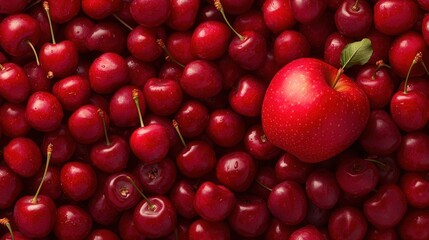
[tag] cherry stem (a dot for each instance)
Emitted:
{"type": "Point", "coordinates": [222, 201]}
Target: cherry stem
{"type": "Point", "coordinates": [137, 102]}
{"type": "Point", "coordinates": [48, 159]}
{"type": "Point", "coordinates": [35, 52]}
{"type": "Point", "coordinates": [169, 56]}
{"type": "Point", "coordinates": [417, 58]}
{"type": "Point", "coordinates": [151, 206]}
{"type": "Point", "coordinates": [219, 7]}
{"type": "Point", "coordinates": [5, 221]}
{"type": "Point", "coordinates": [176, 126]}
{"type": "Point", "coordinates": [103, 119]}
{"type": "Point", "coordinates": [380, 64]}
{"type": "Point", "coordinates": [123, 22]}
{"type": "Point", "coordinates": [31, 5]}
{"type": "Point", "coordinates": [46, 7]}
{"type": "Point", "coordinates": [355, 6]}
{"type": "Point", "coordinates": [376, 162]}
{"type": "Point", "coordinates": [337, 77]}
{"type": "Point", "coordinates": [264, 186]}
{"type": "Point", "coordinates": [2, 67]}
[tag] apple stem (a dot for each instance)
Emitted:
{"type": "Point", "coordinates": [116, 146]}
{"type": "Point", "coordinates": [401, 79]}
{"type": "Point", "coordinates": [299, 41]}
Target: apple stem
{"type": "Point", "coordinates": [5, 222]}
{"type": "Point", "coordinates": [137, 102]}
{"type": "Point", "coordinates": [355, 6]}
{"type": "Point", "coordinates": [169, 56]}
{"type": "Point", "coordinates": [48, 159]}
{"type": "Point", "coordinates": [35, 52]}
{"type": "Point", "coordinates": [176, 126]}
{"type": "Point", "coordinates": [337, 77]}
{"type": "Point", "coordinates": [151, 206]}
{"type": "Point", "coordinates": [264, 186]}
{"type": "Point", "coordinates": [219, 7]}
{"type": "Point", "coordinates": [379, 64]}
{"type": "Point", "coordinates": [46, 7]}
{"type": "Point", "coordinates": [417, 58]}
{"type": "Point", "coordinates": [103, 119]}
{"type": "Point", "coordinates": [123, 22]}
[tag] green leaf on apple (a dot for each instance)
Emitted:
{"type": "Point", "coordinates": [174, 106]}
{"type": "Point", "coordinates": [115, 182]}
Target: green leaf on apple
{"type": "Point", "coordinates": [356, 53]}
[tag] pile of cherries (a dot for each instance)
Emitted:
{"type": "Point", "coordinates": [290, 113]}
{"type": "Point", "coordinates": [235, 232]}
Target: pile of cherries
{"type": "Point", "coordinates": [140, 119]}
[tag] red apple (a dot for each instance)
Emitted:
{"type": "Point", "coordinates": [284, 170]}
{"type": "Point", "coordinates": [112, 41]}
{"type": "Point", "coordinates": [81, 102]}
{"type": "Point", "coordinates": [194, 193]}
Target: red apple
{"type": "Point", "coordinates": [306, 113]}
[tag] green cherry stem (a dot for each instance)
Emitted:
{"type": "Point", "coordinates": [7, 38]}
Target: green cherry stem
{"type": "Point", "coordinates": [161, 43]}
{"type": "Point", "coordinates": [5, 222]}
{"type": "Point", "coordinates": [103, 119]}
{"type": "Point", "coordinates": [176, 127]}
{"type": "Point", "coordinates": [218, 6]}
{"type": "Point", "coordinates": [46, 7]}
{"type": "Point", "coordinates": [48, 159]}
{"type": "Point", "coordinates": [137, 102]}
{"type": "Point", "coordinates": [151, 206]}
{"type": "Point", "coordinates": [417, 58]}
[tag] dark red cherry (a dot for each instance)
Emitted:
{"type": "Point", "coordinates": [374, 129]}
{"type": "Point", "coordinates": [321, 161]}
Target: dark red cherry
{"type": "Point", "coordinates": [23, 156]}
{"type": "Point", "coordinates": [236, 170]}
{"type": "Point", "coordinates": [197, 87]}
{"type": "Point", "coordinates": [15, 85]}
{"type": "Point", "coordinates": [157, 178]}
{"type": "Point", "coordinates": [64, 11]}
{"type": "Point", "coordinates": [107, 73]}
{"type": "Point", "coordinates": [120, 192]}
{"type": "Point", "coordinates": [73, 222]}
{"type": "Point", "coordinates": [189, 160]}
{"type": "Point", "coordinates": [99, 9]}
{"type": "Point", "coordinates": [12, 120]}
{"type": "Point", "coordinates": [10, 187]}
{"type": "Point", "coordinates": [347, 222]}
{"type": "Point", "coordinates": [353, 18]}
{"type": "Point", "coordinates": [210, 40]}
{"type": "Point", "coordinates": [226, 128]}
{"type": "Point", "coordinates": [163, 96]}
{"type": "Point", "coordinates": [106, 36]}
{"type": "Point", "coordinates": [183, 14]}
{"type": "Point", "coordinates": [86, 125]}
{"type": "Point", "coordinates": [141, 42]}
{"type": "Point", "coordinates": [78, 180]}
{"type": "Point", "coordinates": [77, 30]}
{"type": "Point", "coordinates": [150, 13]}
{"type": "Point", "coordinates": [72, 92]}
{"type": "Point", "coordinates": [203, 229]}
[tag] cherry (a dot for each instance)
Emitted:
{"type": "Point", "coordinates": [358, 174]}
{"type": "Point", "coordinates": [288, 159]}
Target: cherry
{"type": "Point", "coordinates": [39, 80]}
{"type": "Point", "coordinates": [86, 125]}
{"type": "Point", "coordinates": [236, 170]}
{"type": "Point", "coordinates": [12, 120]}
{"type": "Point", "coordinates": [380, 46]}
{"type": "Point", "coordinates": [347, 222]}
{"type": "Point", "coordinates": [416, 84]}
{"type": "Point", "coordinates": [381, 136]}
{"type": "Point", "coordinates": [316, 216]}
{"type": "Point", "coordinates": [139, 72]}
{"type": "Point", "coordinates": [246, 98]}
{"type": "Point", "coordinates": [104, 234]}
{"type": "Point", "coordinates": [353, 18]}
{"type": "Point", "coordinates": [19, 33]}
{"type": "Point", "coordinates": [415, 186]}
{"type": "Point", "coordinates": [163, 96]}
{"type": "Point", "coordinates": [73, 222]}
{"type": "Point", "coordinates": [172, 135]}
{"type": "Point", "coordinates": [157, 178]}
{"type": "Point", "coordinates": [72, 92]}
{"type": "Point", "coordinates": [210, 40]}
{"type": "Point", "coordinates": [393, 17]}
{"type": "Point", "coordinates": [231, 71]}
{"type": "Point", "coordinates": [64, 11]}
{"type": "Point", "coordinates": [112, 154]}
{"type": "Point", "coordinates": [182, 195]}
{"type": "Point", "coordinates": [203, 229]}
{"type": "Point", "coordinates": [388, 169]}
{"type": "Point", "coordinates": [413, 225]}
{"type": "Point", "coordinates": [101, 210]}
{"type": "Point", "coordinates": [178, 46]}
{"type": "Point", "coordinates": [278, 15]}
{"type": "Point", "coordinates": [123, 111]}
{"type": "Point", "coordinates": [10, 187]}
{"type": "Point", "coordinates": [78, 180]}
{"type": "Point", "coordinates": [277, 230]}
{"type": "Point", "coordinates": [77, 30]}
{"type": "Point", "coordinates": [214, 202]}
{"type": "Point", "coordinates": [250, 216]}
{"type": "Point", "coordinates": [265, 180]}
{"type": "Point", "coordinates": [225, 128]}
{"type": "Point", "coordinates": [322, 189]}
{"type": "Point", "coordinates": [120, 192]}
{"type": "Point", "coordinates": [60, 59]}
{"type": "Point", "coordinates": [318, 31]}
{"type": "Point", "coordinates": [150, 13]}
{"type": "Point", "coordinates": [106, 36]}
{"type": "Point", "coordinates": [288, 167]}
{"type": "Point", "coordinates": [413, 154]}
{"type": "Point", "coordinates": [403, 51]}
{"type": "Point", "coordinates": [99, 9]}
{"type": "Point", "coordinates": [306, 11]}
{"type": "Point", "coordinates": [196, 159]}
{"type": "Point", "coordinates": [155, 217]}
{"type": "Point", "coordinates": [183, 14]}
{"type": "Point", "coordinates": [296, 44]}
{"type": "Point", "coordinates": [13, 7]}
{"type": "Point", "coordinates": [307, 232]}
{"type": "Point", "coordinates": [192, 117]}
{"type": "Point", "coordinates": [44, 112]}
{"type": "Point", "coordinates": [197, 87]}
{"type": "Point", "coordinates": [356, 176]}
{"type": "Point", "coordinates": [107, 73]}
{"type": "Point", "coordinates": [35, 216]}
{"type": "Point", "coordinates": [170, 70]}
{"type": "Point", "coordinates": [377, 83]}
{"type": "Point", "coordinates": [141, 42]}
{"type": "Point", "coordinates": [258, 146]}
{"type": "Point", "coordinates": [334, 45]}
{"type": "Point", "coordinates": [208, 13]}
{"type": "Point", "coordinates": [127, 229]}
{"type": "Point", "coordinates": [251, 20]}
{"type": "Point", "coordinates": [288, 197]}
{"type": "Point", "coordinates": [386, 208]}
{"type": "Point", "coordinates": [15, 85]}
{"type": "Point", "coordinates": [149, 143]}
{"type": "Point", "coordinates": [65, 145]}
{"type": "Point", "coordinates": [22, 155]}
